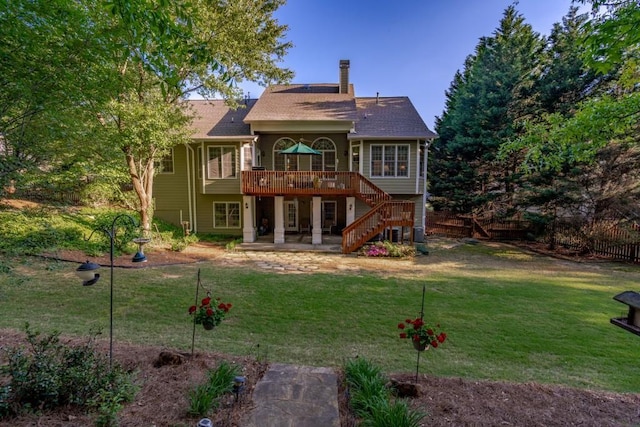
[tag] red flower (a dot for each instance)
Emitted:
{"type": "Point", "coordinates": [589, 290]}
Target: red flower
{"type": "Point", "coordinates": [442, 337]}
{"type": "Point", "coordinates": [429, 331]}
{"type": "Point", "coordinates": [434, 344]}
{"type": "Point", "coordinates": [416, 337]}
{"type": "Point", "coordinates": [192, 309]}
{"type": "Point", "coordinates": [206, 301]}
{"type": "Point", "coordinates": [209, 312]}
{"type": "Point", "coordinates": [403, 335]}
{"type": "Point", "coordinates": [400, 325]}
{"type": "Point", "coordinates": [409, 321]}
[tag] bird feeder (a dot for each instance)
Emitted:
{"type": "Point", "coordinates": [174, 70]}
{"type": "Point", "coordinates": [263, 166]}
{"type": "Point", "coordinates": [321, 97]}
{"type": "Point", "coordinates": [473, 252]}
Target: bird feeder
{"type": "Point", "coordinates": [632, 321]}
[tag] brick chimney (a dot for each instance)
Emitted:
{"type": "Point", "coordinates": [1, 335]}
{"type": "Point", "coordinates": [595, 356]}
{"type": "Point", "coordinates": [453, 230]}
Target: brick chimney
{"type": "Point", "coordinates": [344, 76]}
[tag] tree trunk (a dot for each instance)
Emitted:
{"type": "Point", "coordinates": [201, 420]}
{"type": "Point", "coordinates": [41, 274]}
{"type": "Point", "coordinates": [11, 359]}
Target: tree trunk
{"type": "Point", "coordinates": [143, 186]}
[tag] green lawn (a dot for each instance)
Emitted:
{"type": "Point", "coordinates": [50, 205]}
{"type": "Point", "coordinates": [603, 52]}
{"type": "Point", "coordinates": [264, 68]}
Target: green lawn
{"type": "Point", "coordinates": [509, 315]}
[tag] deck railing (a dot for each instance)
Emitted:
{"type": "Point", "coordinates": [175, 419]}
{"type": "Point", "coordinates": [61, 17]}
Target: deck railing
{"type": "Point", "coordinates": [386, 216]}
{"type": "Point", "coordinates": [298, 183]}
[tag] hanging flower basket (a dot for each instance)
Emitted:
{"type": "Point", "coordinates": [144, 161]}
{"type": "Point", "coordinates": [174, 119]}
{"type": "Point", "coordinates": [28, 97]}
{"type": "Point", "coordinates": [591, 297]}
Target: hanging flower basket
{"type": "Point", "coordinates": [210, 313]}
{"type": "Point", "coordinates": [420, 346]}
{"type": "Point", "coordinates": [421, 335]}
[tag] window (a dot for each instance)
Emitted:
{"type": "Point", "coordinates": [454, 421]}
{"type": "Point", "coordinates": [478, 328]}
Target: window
{"type": "Point", "coordinates": [226, 214]}
{"type": "Point", "coordinates": [247, 157]}
{"type": "Point", "coordinates": [284, 162]}
{"type": "Point", "coordinates": [165, 164]}
{"type": "Point", "coordinates": [221, 162]}
{"type": "Point", "coordinates": [326, 161]}
{"type": "Point", "coordinates": [390, 160]}
{"type": "Point", "coordinates": [329, 212]}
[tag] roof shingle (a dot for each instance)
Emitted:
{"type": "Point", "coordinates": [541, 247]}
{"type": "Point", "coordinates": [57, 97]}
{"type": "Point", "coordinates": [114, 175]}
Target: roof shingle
{"type": "Point", "coordinates": [389, 117]}
{"type": "Point", "coordinates": [300, 102]}
{"type": "Point", "coordinates": [214, 119]}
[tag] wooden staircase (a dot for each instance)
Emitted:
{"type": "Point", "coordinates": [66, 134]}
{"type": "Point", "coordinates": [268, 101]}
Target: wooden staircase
{"type": "Point", "coordinates": [385, 214]}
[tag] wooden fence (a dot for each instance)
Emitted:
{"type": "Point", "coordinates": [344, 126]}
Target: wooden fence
{"type": "Point", "coordinates": [454, 225]}
{"type": "Point", "coordinates": [612, 239]}
{"type": "Point", "coordinates": [40, 195]}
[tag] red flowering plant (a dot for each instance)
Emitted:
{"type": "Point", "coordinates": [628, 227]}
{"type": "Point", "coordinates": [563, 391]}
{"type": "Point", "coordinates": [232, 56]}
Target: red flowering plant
{"type": "Point", "coordinates": [210, 313]}
{"type": "Point", "coordinates": [422, 335]}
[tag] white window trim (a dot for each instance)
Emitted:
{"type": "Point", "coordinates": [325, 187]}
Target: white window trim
{"type": "Point", "coordinates": [276, 152]}
{"type": "Point", "coordinates": [395, 176]}
{"type": "Point", "coordinates": [227, 203]}
{"type": "Point", "coordinates": [235, 163]}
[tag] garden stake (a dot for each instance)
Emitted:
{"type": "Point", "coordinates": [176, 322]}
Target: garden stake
{"type": "Point", "coordinates": [421, 318]}
{"type": "Point", "coordinates": [193, 337]}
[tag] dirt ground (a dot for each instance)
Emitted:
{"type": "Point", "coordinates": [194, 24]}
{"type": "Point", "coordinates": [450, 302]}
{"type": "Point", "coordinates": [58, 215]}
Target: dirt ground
{"type": "Point", "coordinates": [162, 399]}
{"type": "Point", "coordinates": [448, 401]}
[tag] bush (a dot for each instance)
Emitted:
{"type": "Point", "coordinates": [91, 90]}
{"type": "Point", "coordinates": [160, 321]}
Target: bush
{"type": "Point", "coordinates": [51, 374]}
{"type": "Point", "coordinates": [371, 400]}
{"type": "Point", "coordinates": [388, 249]}
{"type": "Point", "coordinates": [204, 397]}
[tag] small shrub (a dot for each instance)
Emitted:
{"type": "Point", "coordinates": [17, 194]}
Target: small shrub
{"type": "Point", "coordinates": [232, 244]}
{"type": "Point", "coordinates": [180, 244]}
{"type": "Point", "coordinates": [388, 249]}
{"type": "Point", "coordinates": [396, 413]}
{"type": "Point", "coordinates": [201, 400]}
{"type": "Point", "coordinates": [204, 397]}
{"type": "Point", "coordinates": [50, 374]}
{"type": "Point", "coordinates": [366, 384]}
{"type": "Point", "coordinates": [371, 400]}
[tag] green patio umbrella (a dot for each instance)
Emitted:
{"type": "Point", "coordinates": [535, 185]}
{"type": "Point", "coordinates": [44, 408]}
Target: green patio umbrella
{"type": "Point", "coordinates": [299, 148]}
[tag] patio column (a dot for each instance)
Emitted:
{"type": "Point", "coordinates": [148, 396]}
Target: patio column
{"type": "Point", "coordinates": [316, 229]}
{"type": "Point", "coordinates": [278, 226]}
{"type": "Point", "coordinates": [351, 210]}
{"type": "Point", "coordinates": [248, 219]}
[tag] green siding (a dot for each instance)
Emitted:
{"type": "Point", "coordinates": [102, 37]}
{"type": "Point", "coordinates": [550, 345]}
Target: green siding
{"type": "Point", "coordinates": [170, 190]}
{"type": "Point", "coordinates": [204, 214]}
{"type": "Point", "coordinates": [399, 185]}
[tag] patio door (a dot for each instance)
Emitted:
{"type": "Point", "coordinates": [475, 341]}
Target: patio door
{"type": "Point", "coordinates": [290, 215]}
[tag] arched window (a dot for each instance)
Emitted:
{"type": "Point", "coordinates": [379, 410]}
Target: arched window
{"type": "Point", "coordinates": [326, 161]}
{"type": "Point", "coordinates": [284, 162]}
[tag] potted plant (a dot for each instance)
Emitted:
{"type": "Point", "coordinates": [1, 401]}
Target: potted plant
{"type": "Point", "coordinates": [210, 313]}
{"type": "Point", "coordinates": [421, 335]}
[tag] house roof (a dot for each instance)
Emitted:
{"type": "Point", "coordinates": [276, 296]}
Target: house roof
{"type": "Point", "coordinates": [304, 102]}
{"type": "Point", "coordinates": [389, 118]}
{"type": "Point", "coordinates": [215, 120]}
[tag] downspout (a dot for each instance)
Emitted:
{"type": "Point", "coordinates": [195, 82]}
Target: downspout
{"type": "Point", "coordinates": [190, 185]}
{"type": "Point", "coordinates": [427, 143]}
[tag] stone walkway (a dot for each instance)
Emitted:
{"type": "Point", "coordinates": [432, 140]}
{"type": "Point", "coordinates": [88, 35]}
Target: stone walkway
{"type": "Point", "coordinates": [295, 396]}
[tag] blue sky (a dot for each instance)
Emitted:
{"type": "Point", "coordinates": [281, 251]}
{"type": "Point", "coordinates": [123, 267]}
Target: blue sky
{"type": "Point", "coordinates": [397, 47]}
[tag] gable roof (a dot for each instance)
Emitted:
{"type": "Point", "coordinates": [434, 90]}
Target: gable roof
{"type": "Point", "coordinates": [389, 118]}
{"type": "Point", "coordinates": [215, 120]}
{"type": "Point", "coordinates": [304, 102]}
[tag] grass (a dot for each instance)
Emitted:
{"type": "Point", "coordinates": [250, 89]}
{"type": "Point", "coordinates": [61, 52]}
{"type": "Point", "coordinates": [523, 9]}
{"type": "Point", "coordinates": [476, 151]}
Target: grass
{"type": "Point", "coordinates": [508, 315]}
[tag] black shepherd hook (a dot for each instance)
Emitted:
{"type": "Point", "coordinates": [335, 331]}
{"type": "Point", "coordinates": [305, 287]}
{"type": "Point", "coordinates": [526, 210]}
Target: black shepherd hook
{"type": "Point", "coordinates": [421, 318]}
{"type": "Point", "coordinates": [198, 285]}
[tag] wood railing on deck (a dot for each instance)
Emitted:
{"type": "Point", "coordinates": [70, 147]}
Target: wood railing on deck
{"type": "Point", "coordinates": [277, 183]}
{"type": "Point", "coordinates": [386, 215]}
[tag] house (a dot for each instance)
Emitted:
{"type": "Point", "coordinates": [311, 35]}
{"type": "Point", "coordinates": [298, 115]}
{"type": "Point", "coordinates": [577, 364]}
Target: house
{"type": "Point", "coordinates": [366, 178]}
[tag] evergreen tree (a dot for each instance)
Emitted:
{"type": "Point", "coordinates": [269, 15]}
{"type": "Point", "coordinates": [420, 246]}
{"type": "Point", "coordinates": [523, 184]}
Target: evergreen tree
{"type": "Point", "coordinates": [483, 108]}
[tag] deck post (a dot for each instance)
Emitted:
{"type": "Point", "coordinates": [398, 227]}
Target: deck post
{"type": "Point", "coordinates": [248, 229]}
{"type": "Point", "coordinates": [278, 226]}
{"type": "Point", "coordinates": [316, 230]}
